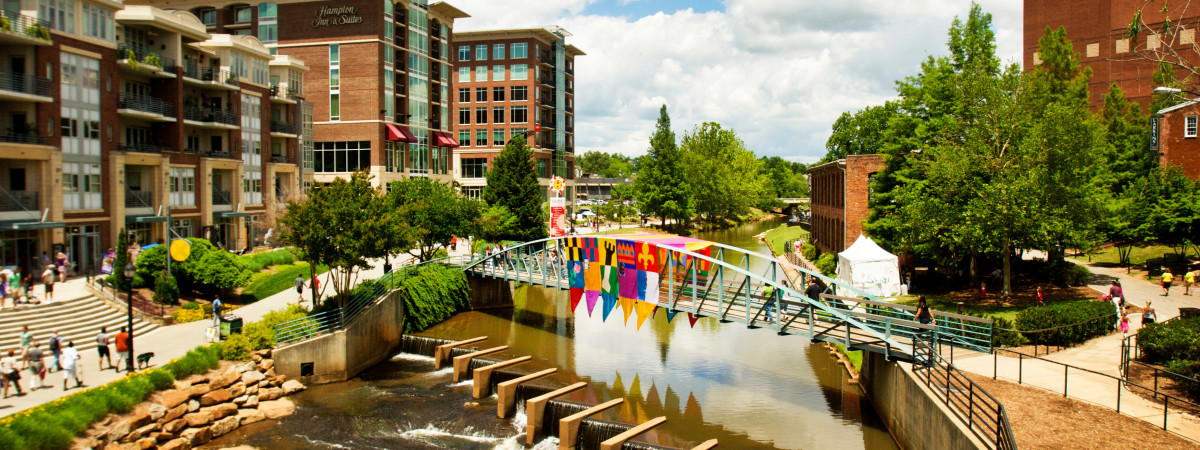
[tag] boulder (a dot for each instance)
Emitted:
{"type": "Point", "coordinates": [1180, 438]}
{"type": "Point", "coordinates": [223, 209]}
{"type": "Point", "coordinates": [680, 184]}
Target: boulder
{"type": "Point", "coordinates": [248, 416]}
{"type": "Point", "coordinates": [251, 402]}
{"type": "Point", "coordinates": [175, 426]}
{"type": "Point", "coordinates": [139, 433]}
{"type": "Point", "coordinates": [254, 357]}
{"type": "Point", "coordinates": [163, 436]}
{"type": "Point", "coordinates": [252, 389]}
{"type": "Point", "coordinates": [237, 389]}
{"type": "Point", "coordinates": [252, 377]}
{"type": "Point", "coordinates": [241, 399]}
{"type": "Point", "coordinates": [197, 436]}
{"type": "Point", "coordinates": [176, 444]}
{"type": "Point", "coordinates": [266, 364]}
{"type": "Point", "coordinates": [246, 366]}
{"type": "Point", "coordinates": [119, 430]}
{"type": "Point", "coordinates": [198, 419]}
{"type": "Point", "coordinates": [270, 373]}
{"type": "Point", "coordinates": [146, 443]}
{"type": "Point", "coordinates": [193, 405]}
{"type": "Point", "coordinates": [214, 397]}
{"type": "Point", "coordinates": [221, 410]}
{"type": "Point", "coordinates": [292, 386]}
{"type": "Point", "coordinates": [275, 409]}
{"type": "Point", "coordinates": [269, 394]}
{"type": "Point", "coordinates": [157, 411]}
{"type": "Point", "coordinates": [138, 418]}
{"type": "Point", "coordinates": [225, 425]}
{"type": "Point", "coordinates": [121, 446]}
{"type": "Point", "coordinates": [174, 413]}
{"type": "Point", "coordinates": [226, 378]}
{"type": "Point", "coordinates": [171, 398]}
{"type": "Point", "coordinates": [264, 353]}
{"type": "Point", "coordinates": [199, 389]}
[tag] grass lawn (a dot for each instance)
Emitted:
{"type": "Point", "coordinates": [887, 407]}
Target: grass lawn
{"type": "Point", "coordinates": [276, 279]}
{"type": "Point", "coordinates": [1137, 256]}
{"type": "Point", "coordinates": [854, 356]}
{"type": "Point", "coordinates": [777, 237]}
{"type": "Point", "coordinates": [973, 308]}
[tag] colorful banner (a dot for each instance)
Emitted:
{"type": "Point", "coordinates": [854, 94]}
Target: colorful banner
{"type": "Point", "coordinates": [558, 212]}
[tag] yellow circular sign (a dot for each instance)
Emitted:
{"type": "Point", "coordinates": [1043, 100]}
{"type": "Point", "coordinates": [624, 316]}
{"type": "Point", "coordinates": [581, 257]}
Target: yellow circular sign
{"type": "Point", "coordinates": [180, 249]}
{"type": "Point", "coordinates": [556, 184]}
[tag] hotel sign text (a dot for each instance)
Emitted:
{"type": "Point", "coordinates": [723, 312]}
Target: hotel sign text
{"type": "Point", "coordinates": [334, 16]}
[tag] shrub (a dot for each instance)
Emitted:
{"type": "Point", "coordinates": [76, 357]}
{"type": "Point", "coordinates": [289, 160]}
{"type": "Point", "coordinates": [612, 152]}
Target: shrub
{"type": "Point", "coordinates": [185, 315]}
{"type": "Point", "coordinates": [192, 305]}
{"type": "Point", "coordinates": [431, 294]}
{"type": "Point", "coordinates": [166, 291]}
{"type": "Point", "coordinates": [1090, 319]}
{"type": "Point", "coordinates": [810, 252]}
{"type": "Point", "coordinates": [259, 261]}
{"type": "Point", "coordinates": [827, 264]}
{"type": "Point", "coordinates": [236, 347]}
{"type": "Point", "coordinates": [221, 270]}
{"type": "Point", "coordinates": [1189, 370]}
{"type": "Point", "coordinates": [1058, 273]}
{"type": "Point", "coordinates": [1167, 341]}
{"type": "Point", "coordinates": [1003, 336]}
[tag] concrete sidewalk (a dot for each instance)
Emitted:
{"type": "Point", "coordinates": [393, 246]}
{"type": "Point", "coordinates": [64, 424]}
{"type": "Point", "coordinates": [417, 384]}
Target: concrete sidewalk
{"type": "Point", "coordinates": [167, 343]}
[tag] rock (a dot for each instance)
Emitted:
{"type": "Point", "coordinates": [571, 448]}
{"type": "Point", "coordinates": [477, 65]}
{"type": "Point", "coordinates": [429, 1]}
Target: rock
{"type": "Point", "coordinates": [138, 419]}
{"type": "Point", "coordinates": [121, 446]}
{"type": "Point", "coordinates": [174, 397]}
{"type": "Point", "coordinates": [198, 419]}
{"type": "Point", "coordinates": [275, 409]}
{"type": "Point", "coordinates": [226, 378]}
{"type": "Point", "coordinates": [221, 410]}
{"type": "Point", "coordinates": [225, 425]}
{"type": "Point", "coordinates": [145, 443]}
{"type": "Point", "coordinates": [176, 444]}
{"type": "Point", "coordinates": [237, 389]}
{"type": "Point", "coordinates": [248, 416]}
{"type": "Point", "coordinates": [252, 377]}
{"type": "Point", "coordinates": [183, 385]}
{"type": "Point", "coordinates": [254, 357]}
{"type": "Point", "coordinates": [241, 399]}
{"type": "Point", "coordinates": [174, 413]}
{"type": "Point", "coordinates": [87, 443]}
{"type": "Point", "coordinates": [270, 373]}
{"type": "Point", "coordinates": [266, 364]}
{"type": "Point", "coordinates": [197, 436]}
{"type": "Point", "coordinates": [264, 353]}
{"type": "Point", "coordinates": [157, 411]}
{"type": "Point", "coordinates": [214, 397]}
{"type": "Point", "coordinates": [199, 389]}
{"type": "Point", "coordinates": [252, 389]}
{"type": "Point", "coordinates": [292, 386]}
{"type": "Point", "coordinates": [119, 430]}
{"type": "Point", "coordinates": [247, 366]}
{"type": "Point", "coordinates": [175, 426]}
{"type": "Point", "coordinates": [251, 402]}
{"type": "Point", "coordinates": [139, 433]}
{"type": "Point", "coordinates": [163, 436]}
{"type": "Point", "coordinates": [193, 405]}
{"type": "Point", "coordinates": [269, 394]}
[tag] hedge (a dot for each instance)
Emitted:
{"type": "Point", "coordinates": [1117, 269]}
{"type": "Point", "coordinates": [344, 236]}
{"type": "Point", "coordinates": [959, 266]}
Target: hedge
{"type": "Point", "coordinates": [260, 261]}
{"type": "Point", "coordinates": [261, 334]}
{"type": "Point", "coordinates": [827, 264]}
{"type": "Point", "coordinates": [1177, 339]}
{"type": "Point", "coordinates": [54, 425]}
{"type": "Point", "coordinates": [432, 294]}
{"type": "Point", "coordinates": [1090, 319]}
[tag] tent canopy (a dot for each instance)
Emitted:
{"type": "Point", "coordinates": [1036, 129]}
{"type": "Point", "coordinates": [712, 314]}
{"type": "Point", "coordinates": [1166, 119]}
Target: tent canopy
{"type": "Point", "coordinates": [870, 268]}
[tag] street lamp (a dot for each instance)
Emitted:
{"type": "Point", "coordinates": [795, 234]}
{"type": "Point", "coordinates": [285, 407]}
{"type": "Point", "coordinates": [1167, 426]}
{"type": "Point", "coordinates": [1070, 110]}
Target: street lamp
{"type": "Point", "coordinates": [526, 133]}
{"type": "Point", "coordinates": [129, 273]}
{"type": "Point", "coordinates": [1167, 90]}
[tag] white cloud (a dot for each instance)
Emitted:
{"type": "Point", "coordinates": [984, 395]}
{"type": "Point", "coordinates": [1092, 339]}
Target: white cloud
{"type": "Point", "coordinates": [779, 72]}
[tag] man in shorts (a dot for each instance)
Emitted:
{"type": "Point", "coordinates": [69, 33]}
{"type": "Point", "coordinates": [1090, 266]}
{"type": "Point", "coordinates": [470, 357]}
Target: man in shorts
{"type": "Point", "coordinates": [48, 282]}
{"type": "Point", "coordinates": [70, 357]}
{"type": "Point", "coordinates": [123, 350]}
{"type": "Point", "coordinates": [299, 282]}
{"type": "Point", "coordinates": [37, 366]}
{"type": "Point", "coordinates": [1167, 278]}
{"type": "Point", "coordinates": [102, 349]}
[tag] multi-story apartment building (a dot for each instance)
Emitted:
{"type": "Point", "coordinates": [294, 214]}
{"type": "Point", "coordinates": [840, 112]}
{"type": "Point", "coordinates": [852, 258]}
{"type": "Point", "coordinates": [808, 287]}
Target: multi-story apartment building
{"type": "Point", "coordinates": [511, 82]}
{"type": "Point", "coordinates": [139, 118]}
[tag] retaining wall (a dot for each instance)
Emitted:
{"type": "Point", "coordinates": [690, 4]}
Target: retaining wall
{"type": "Point", "coordinates": [915, 417]}
{"type": "Point", "coordinates": [489, 293]}
{"type": "Point", "coordinates": [341, 355]}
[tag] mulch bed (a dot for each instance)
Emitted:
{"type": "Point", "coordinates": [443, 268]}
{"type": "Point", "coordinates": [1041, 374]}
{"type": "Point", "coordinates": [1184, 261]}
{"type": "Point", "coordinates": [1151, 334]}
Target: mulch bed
{"type": "Point", "coordinates": [1044, 420]}
{"type": "Point", "coordinates": [1144, 376]}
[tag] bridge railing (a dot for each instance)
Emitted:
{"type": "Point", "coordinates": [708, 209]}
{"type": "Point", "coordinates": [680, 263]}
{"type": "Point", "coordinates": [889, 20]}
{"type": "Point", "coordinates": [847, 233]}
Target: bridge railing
{"type": "Point", "coordinates": [983, 414]}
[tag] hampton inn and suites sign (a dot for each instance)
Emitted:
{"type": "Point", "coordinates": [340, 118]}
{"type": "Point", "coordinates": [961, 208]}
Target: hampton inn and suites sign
{"type": "Point", "coordinates": [334, 16]}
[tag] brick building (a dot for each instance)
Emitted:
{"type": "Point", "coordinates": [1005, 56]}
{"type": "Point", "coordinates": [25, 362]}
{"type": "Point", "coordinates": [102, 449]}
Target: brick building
{"type": "Point", "coordinates": [1176, 140]}
{"type": "Point", "coordinates": [839, 192]}
{"type": "Point", "coordinates": [130, 116]}
{"type": "Point", "coordinates": [511, 82]}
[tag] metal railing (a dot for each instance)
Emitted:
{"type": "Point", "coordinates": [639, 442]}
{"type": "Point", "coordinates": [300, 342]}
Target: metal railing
{"type": "Point", "coordinates": [220, 197]}
{"type": "Point", "coordinates": [547, 79]}
{"type": "Point", "coordinates": [22, 138]}
{"type": "Point", "coordinates": [138, 199]}
{"type": "Point", "coordinates": [280, 159]}
{"type": "Point", "coordinates": [144, 148]}
{"type": "Point", "coordinates": [148, 104]}
{"type": "Point", "coordinates": [209, 115]}
{"type": "Point", "coordinates": [546, 57]}
{"type": "Point", "coordinates": [18, 200]}
{"type": "Point", "coordinates": [984, 415]}
{"type": "Point", "coordinates": [29, 26]}
{"type": "Point", "coordinates": [1131, 352]}
{"type": "Point", "coordinates": [284, 93]}
{"type": "Point", "coordinates": [192, 69]}
{"type": "Point", "coordinates": [279, 126]}
{"type": "Point", "coordinates": [25, 84]}
{"type": "Point", "coordinates": [143, 56]}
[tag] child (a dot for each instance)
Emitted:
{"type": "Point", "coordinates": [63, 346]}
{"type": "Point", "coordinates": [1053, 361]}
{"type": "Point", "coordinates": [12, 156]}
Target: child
{"type": "Point", "coordinates": [983, 290]}
{"type": "Point", "coordinates": [1124, 325]}
{"type": "Point", "coordinates": [1040, 301]}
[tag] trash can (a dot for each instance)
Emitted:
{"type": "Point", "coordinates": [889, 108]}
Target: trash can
{"type": "Point", "coordinates": [230, 324]}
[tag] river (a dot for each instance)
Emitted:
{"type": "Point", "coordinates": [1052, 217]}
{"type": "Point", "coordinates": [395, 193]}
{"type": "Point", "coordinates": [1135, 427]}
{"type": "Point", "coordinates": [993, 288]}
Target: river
{"type": "Point", "coordinates": [747, 388]}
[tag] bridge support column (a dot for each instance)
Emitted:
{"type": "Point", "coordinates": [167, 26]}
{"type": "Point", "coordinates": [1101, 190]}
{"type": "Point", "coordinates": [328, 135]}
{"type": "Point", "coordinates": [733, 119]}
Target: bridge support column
{"type": "Point", "coordinates": [489, 293]}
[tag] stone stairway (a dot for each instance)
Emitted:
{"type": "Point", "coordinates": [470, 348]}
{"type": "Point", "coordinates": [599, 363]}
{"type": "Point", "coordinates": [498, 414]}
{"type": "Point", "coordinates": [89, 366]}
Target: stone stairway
{"type": "Point", "coordinates": [77, 320]}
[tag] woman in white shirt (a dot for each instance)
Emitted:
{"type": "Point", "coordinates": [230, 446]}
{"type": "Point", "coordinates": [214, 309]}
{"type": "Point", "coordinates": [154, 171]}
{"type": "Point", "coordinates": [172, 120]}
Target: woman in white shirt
{"type": "Point", "coordinates": [9, 373]}
{"type": "Point", "coordinates": [68, 360]}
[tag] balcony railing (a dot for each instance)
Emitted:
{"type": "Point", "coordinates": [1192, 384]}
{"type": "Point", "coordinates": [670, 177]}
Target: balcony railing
{"type": "Point", "coordinates": [546, 57]}
{"type": "Point", "coordinates": [22, 138]}
{"type": "Point", "coordinates": [220, 197]}
{"type": "Point", "coordinates": [547, 79]}
{"type": "Point", "coordinates": [148, 104]}
{"type": "Point", "coordinates": [280, 159]}
{"type": "Point", "coordinates": [209, 115]}
{"type": "Point", "coordinates": [548, 100]}
{"type": "Point", "coordinates": [279, 126]}
{"type": "Point", "coordinates": [279, 92]}
{"type": "Point", "coordinates": [29, 26]}
{"type": "Point", "coordinates": [143, 56]}
{"type": "Point", "coordinates": [547, 122]}
{"type": "Point", "coordinates": [144, 148]}
{"type": "Point", "coordinates": [217, 154]}
{"type": "Point", "coordinates": [138, 199]}
{"type": "Point", "coordinates": [25, 84]}
{"type": "Point", "coordinates": [18, 200]}
{"type": "Point", "coordinates": [192, 69]}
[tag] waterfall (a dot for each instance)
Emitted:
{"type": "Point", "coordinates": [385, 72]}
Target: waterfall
{"type": "Point", "coordinates": [558, 409]}
{"type": "Point", "coordinates": [421, 345]}
{"type": "Point", "coordinates": [592, 432]}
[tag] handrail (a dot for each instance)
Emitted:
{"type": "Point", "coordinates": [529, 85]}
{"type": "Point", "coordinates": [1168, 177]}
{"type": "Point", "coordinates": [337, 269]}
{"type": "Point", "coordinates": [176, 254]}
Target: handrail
{"type": "Point", "coordinates": [147, 103]}
{"type": "Point", "coordinates": [25, 84]}
{"type": "Point", "coordinates": [985, 416]}
{"type": "Point", "coordinates": [27, 25]}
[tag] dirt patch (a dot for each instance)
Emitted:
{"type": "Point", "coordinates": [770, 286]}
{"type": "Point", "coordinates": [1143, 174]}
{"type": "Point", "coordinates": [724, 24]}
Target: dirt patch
{"type": "Point", "coordinates": [1144, 376]}
{"type": "Point", "coordinates": [1044, 420]}
{"type": "Point", "coordinates": [1021, 296]}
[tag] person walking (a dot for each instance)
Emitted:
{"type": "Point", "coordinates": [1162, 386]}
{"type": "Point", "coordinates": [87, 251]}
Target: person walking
{"type": "Point", "coordinates": [122, 342]}
{"type": "Point", "coordinates": [1189, 277]}
{"type": "Point", "coordinates": [28, 282]}
{"type": "Point", "coordinates": [55, 345]}
{"type": "Point", "coordinates": [14, 286]}
{"type": "Point", "coordinates": [10, 373]}
{"type": "Point", "coordinates": [924, 315]}
{"type": "Point", "coordinates": [1116, 294]}
{"type": "Point", "coordinates": [216, 307]}
{"type": "Point", "coordinates": [48, 282]}
{"type": "Point", "coordinates": [1148, 315]}
{"type": "Point", "coordinates": [37, 366]}
{"type": "Point", "coordinates": [768, 294]}
{"type": "Point", "coordinates": [813, 291]}
{"type": "Point", "coordinates": [1041, 301]}
{"type": "Point", "coordinates": [102, 349]}
{"type": "Point", "coordinates": [70, 358]}
{"type": "Point", "coordinates": [1167, 278]}
{"type": "Point", "coordinates": [299, 282]}
{"type": "Point", "coordinates": [26, 339]}
{"type": "Point", "coordinates": [60, 260]}
{"type": "Point", "coordinates": [1124, 325]}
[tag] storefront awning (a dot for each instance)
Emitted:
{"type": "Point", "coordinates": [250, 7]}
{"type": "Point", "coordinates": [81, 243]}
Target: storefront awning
{"type": "Point", "coordinates": [444, 140]}
{"type": "Point", "coordinates": [230, 214]}
{"type": "Point", "coordinates": [146, 218]}
{"type": "Point", "coordinates": [399, 133]}
{"type": "Point", "coordinates": [29, 225]}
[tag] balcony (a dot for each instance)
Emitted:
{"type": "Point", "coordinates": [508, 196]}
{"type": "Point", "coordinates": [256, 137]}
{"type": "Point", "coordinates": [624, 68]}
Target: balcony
{"type": "Point", "coordinates": [16, 28]}
{"type": "Point", "coordinates": [22, 137]}
{"type": "Point", "coordinates": [139, 147]}
{"type": "Point", "coordinates": [216, 154]}
{"type": "Point", "coordinates": [146, 62]}
{"type": "Point", "coordinates": [279, 94]}
{"type": "Point", "coordinates": [280, 159]}
{"type": "Point", "coordinates": [25, 88]}
{"type": "Point", "coordinates": [280, 128]}
{"type": "Point", "coordinates": [547, 79]}
{"type": "Point", "coordinates": [547, 101]}
{"type": "Point", "coordinates": [138, 199]}
{"type": "Point", "coordinates": [547, 122]}
{"type": "Point", "coordinates": [18, 201]}
{"type": "Point", "coordinates": [210, 77]}
{"type": "Point", "coordinates": [546, 58]}
{"type": "Point", "coordinates": [210, 118]}
{"type": "Point", "coordinates": [146, 107]}
{"type": "Point", "coordinates": [220, 197]}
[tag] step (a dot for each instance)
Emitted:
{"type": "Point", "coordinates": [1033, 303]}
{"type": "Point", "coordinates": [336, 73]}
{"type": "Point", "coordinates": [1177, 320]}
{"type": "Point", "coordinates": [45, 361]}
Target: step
{"type": "Point", "coordinates": [82, 323]}
{"type": "Point", "coordinates": [82, 335]}
{"type": "Point", "coordinates": [9, 316]}
{"type": "Point", "coordinates": [67, 318]}
{"type": "Point", "coordinates": [88, 342]}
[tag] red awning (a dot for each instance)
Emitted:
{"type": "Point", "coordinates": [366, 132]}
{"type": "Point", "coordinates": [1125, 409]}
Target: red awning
{"type": "Point", "coordinates": [444, 140]}
{"type": "Point", "coordinates": [451, 142]}
{"type": "Point", "coordinates": [398, 133]}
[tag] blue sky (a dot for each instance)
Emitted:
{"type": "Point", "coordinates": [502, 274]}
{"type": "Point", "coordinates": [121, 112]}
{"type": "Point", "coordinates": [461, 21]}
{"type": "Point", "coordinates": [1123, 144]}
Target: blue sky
{"type": "Point", "coordinates": [777, 72]}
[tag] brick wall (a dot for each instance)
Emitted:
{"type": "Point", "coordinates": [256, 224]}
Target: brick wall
{"type": "Point", "coordinates": [1175, 149]}
{"type": "Point", "coordinates": [859, 169]}
{"type": "Point", "coordinates": [840, 192]}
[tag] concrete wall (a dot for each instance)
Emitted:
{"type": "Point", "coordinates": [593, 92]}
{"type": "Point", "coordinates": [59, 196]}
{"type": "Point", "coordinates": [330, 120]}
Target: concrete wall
{"type": "Point", "coordinates": [916, 418]}
{"type": "Point", "coordinates": [341, 355]}
{"type": "Point", "coordinates": [489, 293]}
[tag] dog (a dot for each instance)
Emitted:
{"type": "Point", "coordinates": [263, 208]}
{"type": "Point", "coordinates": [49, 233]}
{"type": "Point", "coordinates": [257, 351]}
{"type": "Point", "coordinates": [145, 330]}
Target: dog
{"type": "Point", "coordinates": [143, 359]}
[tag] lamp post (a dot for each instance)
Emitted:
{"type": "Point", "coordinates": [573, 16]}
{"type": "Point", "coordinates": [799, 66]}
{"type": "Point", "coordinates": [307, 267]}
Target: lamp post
{"type": "Point", "coordinates": [129, 272]}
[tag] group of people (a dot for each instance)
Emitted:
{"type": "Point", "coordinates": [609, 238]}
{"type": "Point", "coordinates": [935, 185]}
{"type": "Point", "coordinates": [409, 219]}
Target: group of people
{"type": "Point", "coordinates": [1168, 278]}
{"type": "Point", "coordinates": [17, 284]}
{"type": "Point", "coordinates": [1116, 294]}
{"type": "Point", "coordinates": [63, 358]}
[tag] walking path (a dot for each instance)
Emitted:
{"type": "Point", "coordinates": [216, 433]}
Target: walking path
{"type": "Point", "coordinates": [167, 343]}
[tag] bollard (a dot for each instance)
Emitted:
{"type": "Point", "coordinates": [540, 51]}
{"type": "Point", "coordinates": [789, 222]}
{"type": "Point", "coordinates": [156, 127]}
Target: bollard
{"type": "Point", "coordinates": [442, 352]}
{"type": "Point", "coordinates": [506, 392]}
{"type": "Point", "coordinates": [462, 362]}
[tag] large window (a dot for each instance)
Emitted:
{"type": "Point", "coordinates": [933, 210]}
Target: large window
{"type": "Point", "coordinates": [520, 114]}
{"type": "Point", "coordinates": [498, 51]}
{"type": "Point", "coordinates": [251, 149]}
{"type": "Point", "coordinates": [520, 93]}
{"type": "Point", "coordinates": [481, 73]}
{"type": "Point", "coordinates": [182, 228]}
{"type": "Point", "coordinates": [498, 137]}
{"type": "Point", "coordinates": [474, 167]}
{"type": "Point", "coordinates": [464, 137]}
{"type": "Point", "coordinates": [481, 138]}
{"type": "Point", "coordinates": [498, 94]}
{"type": "Point", "coordinates": [335, 107]}
{"type": "Point", "coordinates": [481, 95]}
{"type": "Point", "coordinates": [464, 74]}
{"type": "Point", "coordinates": [183, 186]}
{"type": "Point", "coordinates": [464, 116]}
{"type": "Point", "coordinates": [208, 17]}
{"type": "Point", "coordinates": [481, 115]}
{"type": "Point", "coordinates": [520, 72]}
{"type": "Point", "coordinates": [498, 72]}
{"type": "Point", "coordinates": [335, 82]}
{"type": "Point", "coordinates": [481, 52]}
{"type": "Point", "coordinates": [60, 14]}
{"type": "Point", "coordinates": [520, 51]}
{"type": "Point", "coordinates": [464, 53]}
{"type": "Point", "coordinates": [241, 14]}
{"type": "Point", "coordinates": [98, 22]}
{"type": "Point", "coordinates": [497, 114]}
{"type": "Point", "coordinates": [464, 95]}
{"type": "Point", "coordinates": [473, 192]}
{"type": "Point", "coordinates": [342, 156]}
{"type": "Point", "coordinates": [268, 23]}
{"type": "Point", "coordinates": [1189, 126]}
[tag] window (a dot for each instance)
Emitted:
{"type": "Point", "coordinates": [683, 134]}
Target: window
{"type": "Point", "coordinates": [520, 51]}
{"type": "Point", "coordinates": [541, 170]}
{"type": "Point", "coordinates": [520, 72]}
{"type": "Point", "coordinates": [498, 114]}
{"type": "Point", "coordinates": [481, 116]}
{"type": "Point", "coordinates": [183, 186]}
{"type": "Point", "coordinates": [498, 73]}
{"type": "Point", "coordinates": [473, 192]}
{"type": "Point", "coordinates": [520, 114]}
{"type": "Point", "coordinates": [335, 107]}
{"type": "Point", "coordinates": [474, 167]}
{"type": "Point", "coordinates": [60, 14]}
{"type": "Point", "coordinates": [498, 137]}
{"type": "Point", "coordinates": [464, 116]}
{"type": "Point", "coordinates": [464, 137]}
{"type": "Point", "coordinates": [334, 54]}
{"type": "Point", "coordinates": [464, 53]}
{"type": "Point", "coordinates": [1189, 126]}
{"type": "Point", "coordinates": [481, 52]}
{"type": "Point", "coordinates": [464, 74]}
{"type": "Point", "coordinates": [393, 156]}
{"type": "Point", "coordinates": [388, 7]}
{"type": "Point", "coordinates": [97, 22]}
{"type": "Point", "coordinates": [268, 33]}
{"type": "Point", "coordinates": [267, 11]}
{"type": "Point", "coordinates": [335, 81]}
{"type": "Point", "coordinates": [481, 95]}
{"type": "Point", "coordinates": [481, 138]}
{"type": "Point", "coordinates": [520, 93]}
{"type": "Point", "coordinates": [208, 17]}
{"type": "Point", "coordinates": [498, 51]}
{"type": "Point", "coordinates": [498, 94]}
{"type": "Point", "coordinates": [182, 228]}
{"type": "Point", "coordinates": [342, 156]}
{"type": "Point", "coordinates": [241, 14]}
{"type": "Point", "coordinates": [481, 73]}
{"type": "Point", "coordinates": [464, 95]}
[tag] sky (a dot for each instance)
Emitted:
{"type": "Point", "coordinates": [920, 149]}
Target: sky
{"type": "Point", "coordinates": [777, 72]}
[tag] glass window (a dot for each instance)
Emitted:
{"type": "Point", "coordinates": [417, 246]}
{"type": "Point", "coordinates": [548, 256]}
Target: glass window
{"type": "Point", "coordinates": [481, 138]}
{"type": "Point", "coordinates": [334, 57]}
{"type": "Point", "coordinates": [481, 52]}
{"type": "Point", "coordinates": [520, 51]}
{"type": "Point", "coordinates": [1189, 126]}
{"type": "Point", "coordinates": [208, 17]}
{"type": "Point", "coordinates": [464, 116]}
{"type": "Point", "coordinates": [498, 94]}
{"type": "Point", "coordinates": [335, 107]}
{"type": "Point", "coordinates": [498, 137]}
{"type": "Point", "coordinates": [520, 72]}
{"type": "Point", "coordinates": [464, 95]}
{"type": "Point", "coordinates": [98, 22]}
{"type": "Point", "coordinates": [335, 81]}
{"type": "Point", "coordinates": [498, 73]}
{"type": "Point", "coordinates": [520, 114]}
{"type": "Point", "coordinates": [241, 14]}
{"type": "Point", "coordinates": [481, 95]}
{"type": "Point", "coordinates": [268, 33]}
{"type": "Point", "coordinates": [474, 167]}
{"type": "Point", "coordinates": [481, 73]}
{"type": "Point", "coordinates": [481, 116]}
{"type": "Point", "coordinates": [267, 11]}
{"type": "Point", "coordinates": [464, 137]}
{"type": "Point", "coordinates": [498, 114]}
{"type": "Point", "coordinates": [520, 93]}
{"type": "Point", "coordinates": [464, 74]}
{"type": "Point", "coordinates": [342, 156]}
{"type": "Point", "coordinates": [464, 53]}
{"type": "Point", "coordinates": [498, 51]}
{"type": "Point", "coordinates": [60, 14]}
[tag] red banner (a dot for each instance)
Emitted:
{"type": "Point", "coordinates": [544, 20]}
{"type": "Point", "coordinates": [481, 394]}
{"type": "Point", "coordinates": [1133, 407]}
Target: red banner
{"type": "Point", "coordinates": [558, 211]}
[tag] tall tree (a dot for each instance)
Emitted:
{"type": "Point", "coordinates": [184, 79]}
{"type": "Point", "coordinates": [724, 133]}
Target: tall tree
{"type": "Point", "coordinates": [662, 189]}
{"type": "Point", "coordinates": [513, 183]}
{"type": "Point", "coordinates": [861, 133]}
{"type": "Point", "coordinates": [434, 213]}
{"type": "Point", "coordinates": [723, 173]}
{"type": "Point", "coordinates": [621, 193]}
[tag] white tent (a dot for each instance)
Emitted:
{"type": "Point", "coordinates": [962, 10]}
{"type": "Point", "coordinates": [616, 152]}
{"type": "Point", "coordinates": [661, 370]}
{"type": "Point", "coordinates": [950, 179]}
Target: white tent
{"type": "Point", "coordinates": [870, 268]}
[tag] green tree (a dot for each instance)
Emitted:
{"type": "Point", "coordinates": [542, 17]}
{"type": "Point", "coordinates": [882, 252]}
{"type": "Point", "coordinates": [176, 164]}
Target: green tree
{"type": "Point", "coordinates": [593, 162]}
{"type": "Point", "coordinates": [723, 173]}
{"type": "Point", "coordinates": [340, 225]}
{"type": "Point", "coordinates": [166, 290]}
{"type": "Point", "coordinates": [433, 212]}
{"type": "Point", "coordinates": [118, 278]}
{"type": "Point", "coordinates": [1164, 207]}
{"type": "Point", "coordinates": [621, 193]}
{"type": "Point", "coordinates": [662, 189]}
{"type": "Point", "coordinates": [861, 133]}
{"type": "Point", "coordinates": [495, 222]}
{"type": "Point", "coordinates": [513, 183]}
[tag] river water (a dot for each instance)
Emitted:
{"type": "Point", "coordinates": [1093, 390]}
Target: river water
{"type": "Point", "coordinates": [747, 388]}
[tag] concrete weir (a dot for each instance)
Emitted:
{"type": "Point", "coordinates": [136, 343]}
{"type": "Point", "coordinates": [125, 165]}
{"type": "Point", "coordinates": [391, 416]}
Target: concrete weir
{"type": "Point", "coordinates": [343, 354]}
